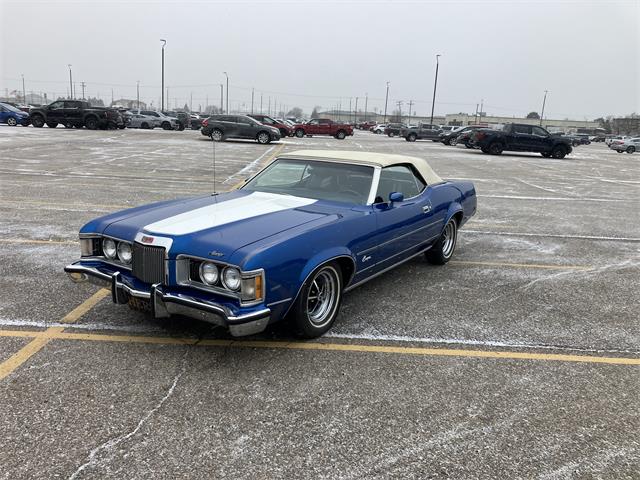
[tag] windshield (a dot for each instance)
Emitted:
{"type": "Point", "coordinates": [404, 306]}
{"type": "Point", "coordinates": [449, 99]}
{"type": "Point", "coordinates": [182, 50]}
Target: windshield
{"type": "Point", "coordinates": [11, 108]}
{"type": "Point", "coordinates": [332, 181]}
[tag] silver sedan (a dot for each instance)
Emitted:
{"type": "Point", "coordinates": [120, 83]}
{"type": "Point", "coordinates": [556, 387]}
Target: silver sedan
{"type": "Point", "coordinates": [138, 120]}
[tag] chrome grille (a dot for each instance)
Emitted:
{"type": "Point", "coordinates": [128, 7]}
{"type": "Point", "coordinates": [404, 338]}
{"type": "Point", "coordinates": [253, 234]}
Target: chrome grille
{"type": "Point", "coordinates": [148, 263]}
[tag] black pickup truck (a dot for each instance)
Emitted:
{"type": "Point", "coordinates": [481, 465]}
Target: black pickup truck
{"type": "Point", "coordinates": [521, 138]}
{"type": "Point", "coordinates": [75, 113]}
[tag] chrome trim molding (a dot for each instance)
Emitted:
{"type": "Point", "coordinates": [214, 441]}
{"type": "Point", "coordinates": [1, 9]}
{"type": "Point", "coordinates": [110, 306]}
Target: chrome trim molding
{"type": "Point", "coordinates": [399, 238]}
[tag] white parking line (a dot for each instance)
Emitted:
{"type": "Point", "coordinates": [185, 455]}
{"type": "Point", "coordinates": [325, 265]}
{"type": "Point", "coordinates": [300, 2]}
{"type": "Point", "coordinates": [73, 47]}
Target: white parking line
{"type": "Point", "coordinates": [552, 235]}
{"type": "Point", "coordinates": [555, 199]}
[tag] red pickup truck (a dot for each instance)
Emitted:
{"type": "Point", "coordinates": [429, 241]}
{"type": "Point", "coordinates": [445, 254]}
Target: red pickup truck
{"type": "Point", "coordinates": [323, 126]}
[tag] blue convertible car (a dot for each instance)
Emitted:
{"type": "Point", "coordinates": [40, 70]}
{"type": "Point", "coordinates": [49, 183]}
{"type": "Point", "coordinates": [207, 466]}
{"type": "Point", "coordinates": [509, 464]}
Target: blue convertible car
{"type": "Point", "coordinates": [288, 243]}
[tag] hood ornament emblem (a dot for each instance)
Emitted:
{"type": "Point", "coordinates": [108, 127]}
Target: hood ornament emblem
{"type": "Point", "coordinates": [216, 253]}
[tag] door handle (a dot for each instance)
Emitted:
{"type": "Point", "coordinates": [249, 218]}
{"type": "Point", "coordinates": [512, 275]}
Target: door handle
{"type": "Point", "coordinates": [426, 209]}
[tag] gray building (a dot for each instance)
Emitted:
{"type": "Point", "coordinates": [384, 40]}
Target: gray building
{"type": "Point", "coordinates": [568, 126]}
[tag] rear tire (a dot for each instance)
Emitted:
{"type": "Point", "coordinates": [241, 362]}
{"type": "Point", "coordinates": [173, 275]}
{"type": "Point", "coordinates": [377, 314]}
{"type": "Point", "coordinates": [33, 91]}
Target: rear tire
{"type": "Point", "coordinates": [91, 123]}
{"type": "Point", "coordinates": [546, 154]}
{"type": "Point", "coordinates": [391, 134]}
{"type": "Point", "coordinates": [166, 126]}
{"type": "Point", "coordinates": [341, 135]}
{"type": "Point", "coordinates": [12, 122]}
{"type": "Point", "coordinates": [631, 149]}
{"type": "Point", "coordinates": [217, 135]}
{"type": "Point", "coordinates": [299, 133]}
{"type": "Point", "coordinates": [496, 148]}
{"type": "Point", "coordinates": [52, 124]}
{"type": "Point", "coordinates": [443, 249]}
{"type": "Point", "coordinates": [181, 127]}
{"type": "Point", "coordinates": [318, 303]}
{"type": "Point", "coordinates": [412, 137]}
{"type": "Point", "coordinates": [144, 126]}
{"type": "Point", "coordinates": [37, 121]}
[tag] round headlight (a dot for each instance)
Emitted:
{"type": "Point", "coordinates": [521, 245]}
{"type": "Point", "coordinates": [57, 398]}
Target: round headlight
{"type": "Point", "coordinates": [209, 273]}
{"type": "Point", "coordinates": [231, 278]}
{"type": "Point", "coordinates": [109, 248]}
{"type": "Point", "coordinates": [124, 252]}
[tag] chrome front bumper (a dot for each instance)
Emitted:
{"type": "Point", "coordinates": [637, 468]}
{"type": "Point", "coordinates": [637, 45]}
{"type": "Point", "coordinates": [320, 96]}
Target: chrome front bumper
{"type": "Point", "coordinates": [164, 304]}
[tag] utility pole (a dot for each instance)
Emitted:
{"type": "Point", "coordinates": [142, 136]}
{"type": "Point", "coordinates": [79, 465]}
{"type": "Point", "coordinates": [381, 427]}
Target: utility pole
{"type": "Point", "coordinates": [164, 42]}
{"type": "Point", "coordinates": [350, 111]}
{"type": "Point", "coordinates": [366, 101]}
{"type": "Point", "coordinates": [399, 103]}
{"type": "Point", "coordinates": [269, 108]}
{"type": "Point", "coordinates": [112, 96]}
{"type": "Point", "coordinates": [435, 86]}
{"type": "Point", "coordinates": [260, 102]}
{"type": "Point", "coordinates": [252, 94]}
{"type": "Point", "coordinates": [544, 101]}
{"type": "Point", "coordinates": [225, 74]}
{"type": "Point", "coordinates": [138, 94]}
{"type": "Point", "coordinates": [475, 119]}
{"type": "Point", "coordinates": [83, 84]}
{"type": "Point", "coordinates": [70, 83]}
{"type": "Point", "coordinates": [481, 108]}
{"type": "Point", "coordinates": [411, 102]}
{"type": "Point", "coordinates": [191, 103]}
{"type": "Point", "coordinates": [386, 99]}
{"type": "Point", "coordinates": [355, 116]}
{"type": "Point", "coordinates": [24, 92]}
{"type": "Point", "coordinates": [221, 98]}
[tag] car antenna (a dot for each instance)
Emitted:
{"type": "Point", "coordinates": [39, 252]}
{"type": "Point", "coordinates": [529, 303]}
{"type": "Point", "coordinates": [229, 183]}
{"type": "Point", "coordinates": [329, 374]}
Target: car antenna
{"type": "Point", "coordinates": [213, 142]}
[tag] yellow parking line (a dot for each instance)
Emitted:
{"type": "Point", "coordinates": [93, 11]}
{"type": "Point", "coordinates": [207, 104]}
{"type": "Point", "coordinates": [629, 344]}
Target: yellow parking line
{"type": "Point", "coordinates": [25, 353]}
{"type": "Point", "coordinates": [53, 204]}
{"type": "Point", "coordinates": [35, 241]}
{"type": "Point", "coordinates": [520, 265]}
{"type": "Point", "coordinates": [52, 334]}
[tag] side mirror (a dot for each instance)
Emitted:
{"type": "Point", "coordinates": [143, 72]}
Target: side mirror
{"type": "Point", "coordinates": [396, 197]}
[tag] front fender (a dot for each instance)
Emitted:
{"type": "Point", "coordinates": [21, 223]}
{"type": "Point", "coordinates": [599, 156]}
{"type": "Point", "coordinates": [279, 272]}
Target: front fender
{"type": "Point", "coordinates": [321, 258]}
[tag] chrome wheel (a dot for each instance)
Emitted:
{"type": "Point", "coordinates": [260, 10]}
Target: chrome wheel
{"type": "Point", "coordinates": [216, 135]}
{"type": "Point", "coordinates": [449, 240]}
{"type": "Point", "coordinates": [323, 297]}
{"type": "Point", "coordinates": [11, 122]}
{"type": "Point", "coordinates": [263, 138]}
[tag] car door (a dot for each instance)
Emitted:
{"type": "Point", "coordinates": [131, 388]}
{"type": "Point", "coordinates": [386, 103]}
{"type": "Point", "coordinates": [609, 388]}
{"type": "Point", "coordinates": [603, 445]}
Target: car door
{"type": "Point", "coordinates": [405, 227]}
{"type": "Point", "coordinates": [539, 139]}
{"type": "Point", "coordinates": [55, 112]}
{"type": "Point", "coordinates": [4, 114]}
{"type": "Point", "coordinates": [248, 127]}
{"type": "Point", "coordinates": [72, 113]}
{"type": "Point", "coordinates": [522, 138]}
{"type": "Point", "coordinates": [312, 127]}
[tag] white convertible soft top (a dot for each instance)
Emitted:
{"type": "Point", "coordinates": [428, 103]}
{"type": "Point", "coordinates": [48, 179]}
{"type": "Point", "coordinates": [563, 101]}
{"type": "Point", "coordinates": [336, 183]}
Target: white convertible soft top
{"type": "Point", "coordinates": [368, 158]}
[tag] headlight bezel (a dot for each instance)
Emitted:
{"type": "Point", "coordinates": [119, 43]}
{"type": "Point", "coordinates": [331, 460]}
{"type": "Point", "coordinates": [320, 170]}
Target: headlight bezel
{"type": "Point", "coordinates": [91, 247]}
{"type": "Point", "coordinates": [201, 269]}
{"type": "Point", "coordinates": [251, 290]}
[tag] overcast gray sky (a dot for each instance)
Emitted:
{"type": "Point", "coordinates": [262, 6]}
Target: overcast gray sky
{"type": "Point", "coordinates": [306, 53]}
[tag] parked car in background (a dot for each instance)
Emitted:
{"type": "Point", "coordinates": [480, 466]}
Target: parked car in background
{"type": "Point", "coordinates": [324, 126]}
{"type": "Point", "coordinates": [138, 120]}
{"type": "Point", "coordinates": [448, 137]}
{"type": "Point", "coordinates": [628, 145]}
{"type": "Point", "coordinates": [598, 138]}
{"type": "Point", "coordinates": [289, 243]}
{"type": "Point", "coordinates": [223, 127]}
{"type": "Point", "coordinates": [448, 128]}
{"type": "Point", "coordinates": [365, 125]}
{"type": "Point", "coordinates": [521, 138]}
{"type": "Point", "coordinates": [285, 130]}
{"type": "Point", "coordinates": [13, 116]}
{"type": "Point", "coordinates": [393, 129]}
{"type": "Point", "coordinates": [422, 131]}
{"type": "Point", "coordinates": [578, 139]}
{"type": "Point", "coordinates": [614, 138]}
{"type": "Point", "coordinates": [379, 128]}
{"type": "Point", "coordinates": [463, 138]}
{"type": "Point", "coordinates": [163, 121]}
{"type": "Point", "coordinates": [184, 119]}
{"type": "Point", "coordinates": [75, 113]}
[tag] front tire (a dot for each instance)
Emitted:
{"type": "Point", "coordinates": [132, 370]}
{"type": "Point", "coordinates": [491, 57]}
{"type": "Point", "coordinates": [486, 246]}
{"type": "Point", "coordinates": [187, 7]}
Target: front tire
{"type": "Point", "coordinates": [299, 133]}
{"type": "Point", "coordinates": [166, 126]}
{"type": "Point", "coordinates": [37, 121]}
{"type": "Point", "coordinates": [443, 249]}
{"type": "Point", "coordinates": [341, 135]}
{"type": "Point", "coordinates": [263, 138]}
{"type": "Point", "coordinates": [391, 134]}
{"type": "Point", "coordinates": [318, 303]}
{"type": "Point", "coordinates": [411, 137]}
{"type": "Point", "coordinates": [12, 122]}
{"type": "Point", "coordinates": [559, 152]}
{"type": "Point", "coordinates": [52, 124]}
{"type": "Point", "coordinates": [91, 123]}
{"type": "Point", "coordinates": [631, 149]}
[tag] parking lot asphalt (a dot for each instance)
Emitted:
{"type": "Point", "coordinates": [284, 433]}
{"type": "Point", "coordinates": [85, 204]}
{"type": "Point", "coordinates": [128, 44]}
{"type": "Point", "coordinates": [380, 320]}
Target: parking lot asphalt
{"type": "Point", "coordinates": [518, 359]}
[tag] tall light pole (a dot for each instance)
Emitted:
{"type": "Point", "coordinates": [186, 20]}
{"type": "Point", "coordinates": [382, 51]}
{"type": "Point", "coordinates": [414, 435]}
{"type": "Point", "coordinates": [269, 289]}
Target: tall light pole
{"type": "Point", "coordinates": [252, 93]}
{"type": "Point", "coordinates": [70, 82]}
{"type": "Point", "coordinates": [221, 94]}
{"type": "Point", "coordinates": [164, 42]}
{"type": "Point", "coordinates": [138, 94]}
{"type": "Point", "coordinates": [366, 101]}
{"type": "Point", "coordinates": [385, 104]}
{"type": "Point", "coordinates": [260, 102]}
{"type": "Point", "coordinates": [435, 86]}
{"type": "Point", "coordinates": [225, 74]}
{"type": "Point", "coordinates": [544, 101]}
{"type": "Point", "coordinates": [355, 116]}
{"type": "Point", "coordinates": [24, 92]}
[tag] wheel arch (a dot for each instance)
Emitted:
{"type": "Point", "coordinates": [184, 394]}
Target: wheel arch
{"type": "Point", "coordinates": [456, 212]}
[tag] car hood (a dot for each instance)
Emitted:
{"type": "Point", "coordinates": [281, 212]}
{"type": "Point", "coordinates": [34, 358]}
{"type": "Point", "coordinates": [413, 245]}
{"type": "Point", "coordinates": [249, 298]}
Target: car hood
{"type": "Point", "coordinates": [217, 225]}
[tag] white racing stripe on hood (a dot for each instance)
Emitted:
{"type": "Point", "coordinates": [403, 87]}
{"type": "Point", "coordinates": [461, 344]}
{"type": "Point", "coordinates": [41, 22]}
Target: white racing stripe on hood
{"type": "Point", "coordinates": [229, 211]}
